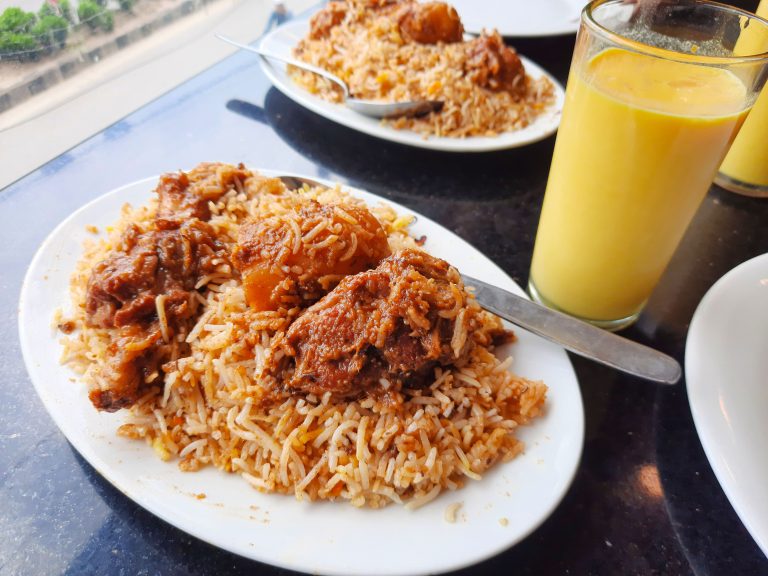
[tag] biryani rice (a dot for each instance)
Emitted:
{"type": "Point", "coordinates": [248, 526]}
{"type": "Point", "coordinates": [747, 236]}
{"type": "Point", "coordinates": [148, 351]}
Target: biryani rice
{"type": "Point", "coordinates": [366, 451]}
{"type": "Point", "coordinates": [367, 51]}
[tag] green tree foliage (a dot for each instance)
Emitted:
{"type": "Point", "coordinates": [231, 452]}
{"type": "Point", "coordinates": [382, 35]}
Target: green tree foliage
{"type": "Point", "coordinates": [46, 10]}
{"type": "Point", "coordinates": [51, 31]}
{"type": "Point", "coordinates": [89, 13]}
{"type": "Point", "coordinates": [107, 21]}
{"type": "Point", "coordinates": [12, 43]}
{"type": "Point", "coordinates": [16, 20]}
{"type": "Point", "coordinates": [66, 10]}
{"type": "Point", "coordinates": [95, 16]}
{"type": "Point", "coordinates": [23, 35]}
{"type": "Point", "coordinates": [62, 8]}
{"type": "Point", "coordinates": [16, 39]}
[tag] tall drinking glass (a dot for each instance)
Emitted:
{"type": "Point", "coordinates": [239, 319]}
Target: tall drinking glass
{"type": "Point", "coordinates": [745, 168]}
{"type": "Point", "coordinates": [657, 92]}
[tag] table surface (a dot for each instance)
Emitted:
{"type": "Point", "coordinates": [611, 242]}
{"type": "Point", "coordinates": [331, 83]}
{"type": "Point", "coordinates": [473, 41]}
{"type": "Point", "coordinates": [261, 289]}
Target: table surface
{"type": "Point", "coordinates": [644, 500]}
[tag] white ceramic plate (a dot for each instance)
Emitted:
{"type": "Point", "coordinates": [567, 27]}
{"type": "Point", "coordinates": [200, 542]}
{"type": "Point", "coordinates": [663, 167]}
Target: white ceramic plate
{"type": "Point", "coordinates": [726, 366]}
{"type": "Point", "coordinates": [521, 18]}
{"type": "Point", "coordinates": [322, 538]}
{"type": "Point", "coordinates": [282, 41]}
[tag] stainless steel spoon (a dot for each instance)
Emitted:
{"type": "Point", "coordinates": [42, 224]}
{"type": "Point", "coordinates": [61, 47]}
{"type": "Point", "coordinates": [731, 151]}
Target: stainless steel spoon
{"type": "Point", "coordinates": [364, 107]}
{"type": "Point", "coordinates": [572, 334]}
{"type": "Point", "coordinates": [579, 337]}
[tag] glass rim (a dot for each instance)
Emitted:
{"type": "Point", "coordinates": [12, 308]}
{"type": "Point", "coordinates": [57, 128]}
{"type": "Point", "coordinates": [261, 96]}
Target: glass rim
{"type": "Point", "coordinates": [588, 19]}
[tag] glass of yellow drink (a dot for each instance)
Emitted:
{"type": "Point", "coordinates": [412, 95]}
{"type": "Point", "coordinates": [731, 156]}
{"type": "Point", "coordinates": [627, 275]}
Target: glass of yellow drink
{"type": "Point", "coordinates": [745, 168]}
{"type": "Point", "coordinates": [657, 92]}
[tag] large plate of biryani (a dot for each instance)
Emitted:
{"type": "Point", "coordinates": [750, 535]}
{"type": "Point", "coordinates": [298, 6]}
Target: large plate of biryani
{"type": "Point", "coordinates": [402, 50]}
{"type": "Point", "coordinates": [298, 376]}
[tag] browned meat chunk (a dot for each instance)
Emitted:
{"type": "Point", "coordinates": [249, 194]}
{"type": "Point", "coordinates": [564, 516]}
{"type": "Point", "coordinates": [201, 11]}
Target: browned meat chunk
{"type": "Point", "coordinates": [294, 259]}
{"type": "Point", "coordinates": [177, 202]}
{"type": "Point", "coordinates": [430, 23]}
{"type": "Point", "coordinates": [117, 281]}
{"type": "Point", "coordinates": [123, 293]}
{"type": "Point", "coordinates": [185, 195]}
{"type": "Point", "coordinates": [389, 325]}
{"type": "Point", "coordinates": [494, 65]}
{"type": "Point", "coordinates": [133, 363]}
{"type": "Point", "coordinates": [144, 289]}
{"type": "Point", "coordinates": [123, 288]}
{"type": "Point", "coordinates": [321, 23]}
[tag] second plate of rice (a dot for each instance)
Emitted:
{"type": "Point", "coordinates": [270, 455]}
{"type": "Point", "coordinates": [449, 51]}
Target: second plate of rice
{"type": "Point", "coordinates": [441, 528]}
{"type": "Point", "coordinates": [480, 120]}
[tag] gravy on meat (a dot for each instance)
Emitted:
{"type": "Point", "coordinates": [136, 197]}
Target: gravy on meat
{"type": "Point", "coordinates": [494, 65]}
{"type": "Point", "coordinates": [166, 260]}
{"type": "Point", "coordinates": [394, 323]}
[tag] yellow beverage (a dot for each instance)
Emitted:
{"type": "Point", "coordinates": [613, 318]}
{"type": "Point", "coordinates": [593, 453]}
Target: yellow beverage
{"type": "Point", "coordinates": [639, 144]}
{"type": "Point", "coordinates": [747, 161]}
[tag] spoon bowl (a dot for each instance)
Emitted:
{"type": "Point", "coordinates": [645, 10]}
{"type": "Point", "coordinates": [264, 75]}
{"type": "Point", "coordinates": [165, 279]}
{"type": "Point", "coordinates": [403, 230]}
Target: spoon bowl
{"type": "Point", "coordinates": [369, 108]}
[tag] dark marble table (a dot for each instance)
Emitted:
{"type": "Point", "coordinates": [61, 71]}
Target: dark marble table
{"type": "Point", "coordinates": [644, 500]}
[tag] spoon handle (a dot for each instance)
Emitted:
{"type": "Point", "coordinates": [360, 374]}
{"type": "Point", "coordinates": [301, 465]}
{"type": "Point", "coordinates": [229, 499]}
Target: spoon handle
{"type": "Point", "coordinates": [577, 336]}
{"type": "Point", "coordinates": [293, 62]}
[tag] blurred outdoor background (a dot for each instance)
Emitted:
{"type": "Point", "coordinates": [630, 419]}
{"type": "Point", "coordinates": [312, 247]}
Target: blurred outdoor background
{"type": "Point", "coordinates": [70, 68]}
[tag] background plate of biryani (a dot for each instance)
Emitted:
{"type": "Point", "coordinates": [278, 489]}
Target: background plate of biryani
{"type": "Point", "coordinates": [298, 376]}
{"type": "Point", "coordinates": [399, 51]}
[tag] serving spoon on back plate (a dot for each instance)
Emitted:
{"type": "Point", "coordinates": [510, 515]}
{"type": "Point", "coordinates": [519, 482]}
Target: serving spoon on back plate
{"type": "Point", "coordinates": [364, 107]}
{"type": "Point", "coordinates": [579, 337]}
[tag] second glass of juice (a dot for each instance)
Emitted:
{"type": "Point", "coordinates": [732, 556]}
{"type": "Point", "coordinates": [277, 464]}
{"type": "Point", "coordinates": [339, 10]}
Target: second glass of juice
{"type": "Point", "coordinates": [655, 97]}
{"type": "Point", "coordinates": [745, 168]}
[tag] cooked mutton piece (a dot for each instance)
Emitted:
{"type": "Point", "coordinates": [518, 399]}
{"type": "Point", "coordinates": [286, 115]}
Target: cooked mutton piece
{"type": "Point", "coordinates": [331, 15]}
{"type": "Point", "coordinates": [144, 289]}
{"type": "Point", "coordinates": [494, 65]}
{"type": "Point", "coordinates": [123, 288]}
{"type": "Point", "coordinates": [185, 195]}
{"type": "Point", "coordinates": [387, 326]}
